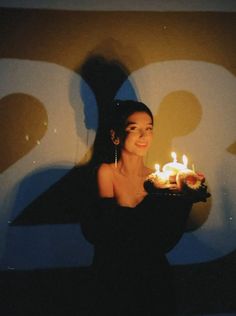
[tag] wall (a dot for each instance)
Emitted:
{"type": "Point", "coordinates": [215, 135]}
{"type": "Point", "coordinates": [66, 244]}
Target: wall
{"type": "Point", "coordinates": [57, 69]}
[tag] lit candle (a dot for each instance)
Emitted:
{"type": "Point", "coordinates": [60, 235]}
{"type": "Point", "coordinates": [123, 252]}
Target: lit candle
{"type": "Point", "coordinates": [162, 175]}
{"type": "Point", "coordinates": [159, 178]}
{"type": "Point", "coordinates": [185, 161]}
{"type": "Point", "coordinates": [157, 167]}
{"type": "Point", "coordinates": [174, 156]}
{"type": "Point", "coordinates": [173, 167]}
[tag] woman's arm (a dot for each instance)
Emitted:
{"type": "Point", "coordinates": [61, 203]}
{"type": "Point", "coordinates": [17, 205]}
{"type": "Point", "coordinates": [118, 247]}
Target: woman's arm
{"type": "Point", "coordinates": [103, 219]}
{"type": "Point", "coordinates": [164, 220]}
{"type": "Point", "coordinates": [178, 213]}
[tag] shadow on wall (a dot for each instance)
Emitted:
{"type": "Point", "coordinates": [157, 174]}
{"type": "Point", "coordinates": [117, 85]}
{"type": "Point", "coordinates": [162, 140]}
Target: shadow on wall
{"type": "Point", "coordinates": [104, 77]}
{"type": "Point", "coordinates": [61, 203]}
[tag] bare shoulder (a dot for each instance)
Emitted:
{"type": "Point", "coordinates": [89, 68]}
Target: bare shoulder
{"type": "Point", "coordinates": [105, 170]}
{"type": "Point", "coordinates": [105, 180]}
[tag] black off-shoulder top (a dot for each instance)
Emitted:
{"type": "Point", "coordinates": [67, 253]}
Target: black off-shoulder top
{"type": "Point", "coordinates": [132, 273]}
{"type": "Point", "coordinates": [150, 229]}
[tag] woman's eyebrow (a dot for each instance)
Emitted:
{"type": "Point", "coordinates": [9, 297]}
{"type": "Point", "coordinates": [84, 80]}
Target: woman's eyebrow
{"type": "Point", "coordinates": [135, 123]}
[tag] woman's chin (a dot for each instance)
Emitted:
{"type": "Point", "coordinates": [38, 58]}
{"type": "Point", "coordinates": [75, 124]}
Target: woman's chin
{"type": "Point", "coordinates": [142, 153]}
{"type": "Point", "coordinates": [142, 149]}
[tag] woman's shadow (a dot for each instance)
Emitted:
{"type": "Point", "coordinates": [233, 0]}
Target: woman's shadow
{"type": "Point", "coordinates": [60, 204]}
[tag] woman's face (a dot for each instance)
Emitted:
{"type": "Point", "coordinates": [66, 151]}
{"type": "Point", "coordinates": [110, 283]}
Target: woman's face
{"type": "Point", "coordinates": [139, 133]}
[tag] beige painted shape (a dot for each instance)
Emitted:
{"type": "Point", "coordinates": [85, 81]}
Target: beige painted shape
{"type": "Point", "coordinates": [178, 115]}
{"type": "Point", "coordinates": [23, 121]}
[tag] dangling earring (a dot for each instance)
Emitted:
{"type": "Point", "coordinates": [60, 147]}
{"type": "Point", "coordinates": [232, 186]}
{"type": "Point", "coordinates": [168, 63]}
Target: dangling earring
{"type": "Point", "coordinates": [116, 142]}
{"type": "Point", "coordinates": [116, 154]}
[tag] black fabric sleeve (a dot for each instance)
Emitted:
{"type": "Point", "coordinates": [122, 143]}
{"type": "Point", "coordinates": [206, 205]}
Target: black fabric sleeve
{"type": "Point", "coordinates": [165, 220]}
{"type": "Point", "coordinates": [157, 221]}
{"type": "Point", "coordinates": [179, 210]}
{"type": "Point", "coordinates": [177, 213]}
{"type": "Point", "coordinates": [103, 220]}
{"type": "Point", "coordinates": [173, 211]}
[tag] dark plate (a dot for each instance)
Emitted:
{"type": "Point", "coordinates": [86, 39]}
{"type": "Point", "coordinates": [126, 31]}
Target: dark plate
{"type": "Point", "coordinates": [198, 195]}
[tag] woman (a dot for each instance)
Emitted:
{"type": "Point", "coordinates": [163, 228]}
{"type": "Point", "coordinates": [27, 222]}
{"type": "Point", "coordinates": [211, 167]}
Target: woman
{"type": "Point", "coordinates": [131, 229]}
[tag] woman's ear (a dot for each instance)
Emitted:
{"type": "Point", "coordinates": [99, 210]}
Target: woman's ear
{"type": "Point", "coordinates": [115, 139]}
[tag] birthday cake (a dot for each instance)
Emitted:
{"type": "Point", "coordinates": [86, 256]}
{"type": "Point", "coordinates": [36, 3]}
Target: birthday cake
{"type": "Point", "coordinates": [177, 179]}
{"type": "Point", "coordinates": [176, 175]}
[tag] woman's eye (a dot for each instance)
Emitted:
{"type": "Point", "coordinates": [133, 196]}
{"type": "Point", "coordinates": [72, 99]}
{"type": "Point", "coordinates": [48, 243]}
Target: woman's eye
{"type": "Point", "coordinates": [137, 129]}
{"type": "Point", "coordinates": [132, 128]}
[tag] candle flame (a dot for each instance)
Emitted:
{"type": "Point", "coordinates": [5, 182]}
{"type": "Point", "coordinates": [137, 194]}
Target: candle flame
{"type": "Point", "coordinates": [185, 161]}
{"type": "Point", "coordinates": [157, 167]}
{"type": "Point", "coordinates": [174, 156]}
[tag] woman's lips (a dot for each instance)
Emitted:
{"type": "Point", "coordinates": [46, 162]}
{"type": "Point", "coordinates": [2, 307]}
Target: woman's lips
{"type": "Point", "coordinates": [142, 145]}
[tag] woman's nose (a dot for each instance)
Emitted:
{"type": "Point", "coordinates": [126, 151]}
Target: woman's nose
{"type": "Point", "coordinates": [142, 132]}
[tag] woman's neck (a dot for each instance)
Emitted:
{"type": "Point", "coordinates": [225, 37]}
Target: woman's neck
{"type": "Point", "coordinates": [131, 165]}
